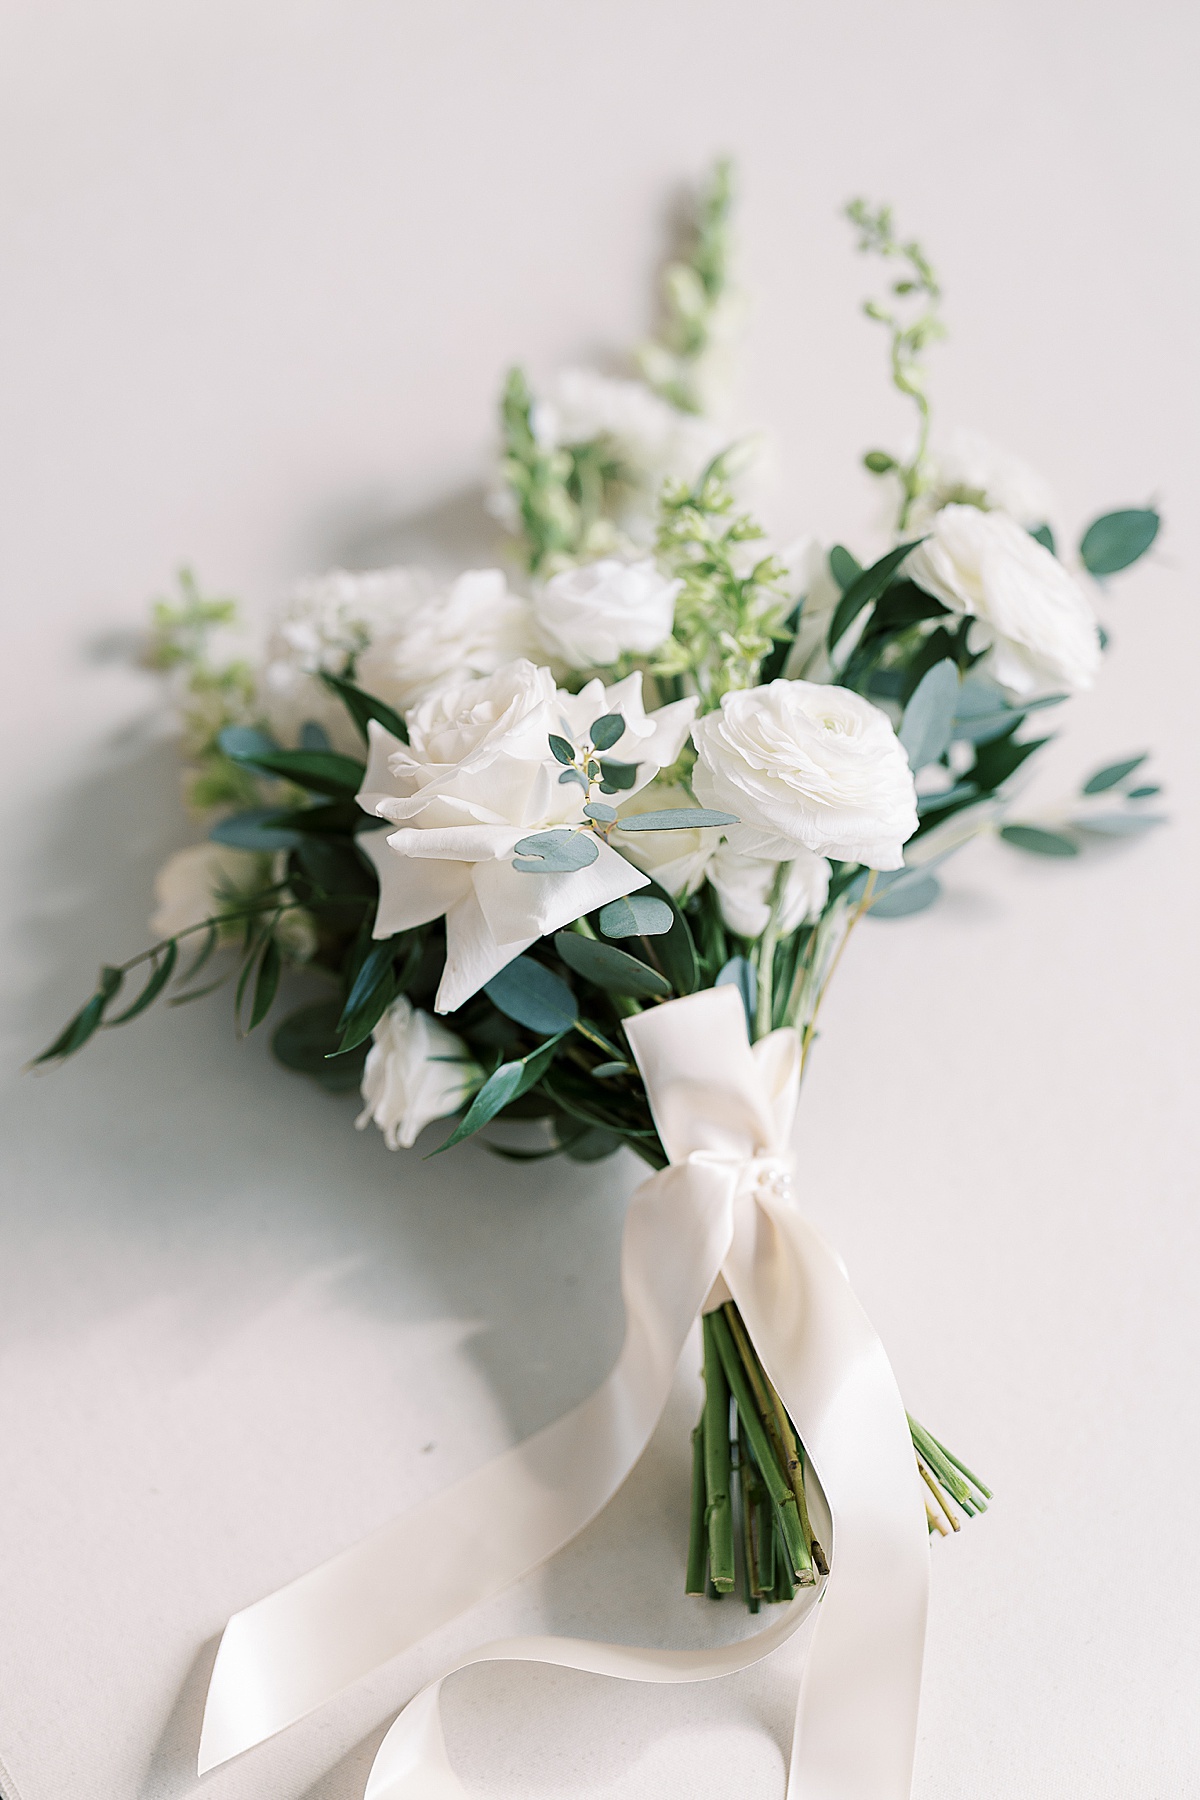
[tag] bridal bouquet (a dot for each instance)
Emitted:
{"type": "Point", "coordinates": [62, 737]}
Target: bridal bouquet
{"type": "Point", "coordinates": [579, 843]}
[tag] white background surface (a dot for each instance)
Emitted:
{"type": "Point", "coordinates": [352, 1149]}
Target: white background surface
{"type": "Point", "coordinates": [263, 267]}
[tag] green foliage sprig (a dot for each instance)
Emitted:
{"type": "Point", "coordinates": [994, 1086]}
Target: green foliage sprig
{"type": "Point", "coordinates": [913, 320]}
{"type": "Point", "coordinates": [214, 694]}
{"type": "Point", "coordinates": [732, 605]}
{"type": "Point", "coordinates": [696, 289]}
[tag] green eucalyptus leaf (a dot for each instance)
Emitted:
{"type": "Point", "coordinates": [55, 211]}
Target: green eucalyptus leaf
{"type": "Point", "coordinates": [255, 830]}
{"type": "Point", "coordinates": [561, 749]}
{"type": "Point", "coordinates": [928, 721]}
{"type": "Point", "coordinates": [244, 742]}
{"type": "Point", "coordinates": [607, 1071]}
{"type": "Point", "coordinates": [1144, 793]}
{"type": "Point", "coordinates": [679, 818]}
{"type": "Point", "coordinates": [509, 1082]}
{"type": "Point", "coordinates": [314, 736]}
{"type": "Point", "coordinates": [1129, 824]}
{"type": "Point", "coordinates": [918, 890]}
{"type": "Point", "coordinates": [364, 707]}
{"type": "Point", "coordinates": [1117, 539]}
{"type": "Point", "coordinates": [1043, 535]}
{"type": "Point", "coordinates": [741, 974]}
{"type": "Point", "coordinates": [617, 776]}
{"type": "Point", "coordinates": [607, 967]}
{"type": "Point", "coordinates": [596, 809]}
{"type": "Point", "coordinates": [606, 730]}
{"type": "Point", "coordinates": [1112, 775]}
{"type": "Point", "coordinates": [555, 852]}
{"type": "Point", "coordinates": [573, 775]}
{"type": "Point", "coordinates": [371, 993]}
{"type": "Point", "coordinates": [637, 915]}
{"type": "Point", "coordinates": [1039, 841]}
{"type": "Point", "coordinates": [532, 995]}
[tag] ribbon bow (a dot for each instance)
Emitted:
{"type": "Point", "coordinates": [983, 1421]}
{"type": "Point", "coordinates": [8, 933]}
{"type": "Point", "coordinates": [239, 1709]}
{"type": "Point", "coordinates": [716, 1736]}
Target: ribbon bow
{"type": "Point", "coordinates": [723, 1207]}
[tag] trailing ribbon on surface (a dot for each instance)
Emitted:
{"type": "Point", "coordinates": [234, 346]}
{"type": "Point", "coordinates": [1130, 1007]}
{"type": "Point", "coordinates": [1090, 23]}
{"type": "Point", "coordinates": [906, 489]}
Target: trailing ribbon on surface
{"type": "Point", "coordinates": [723, 1207]}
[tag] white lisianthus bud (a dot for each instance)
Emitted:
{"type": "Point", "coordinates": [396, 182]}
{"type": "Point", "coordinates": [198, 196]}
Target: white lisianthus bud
{"type": "Point", "coordinates": [744, 885]}
{"type": "Point", "coordinates": [203, 880]}
{"type": "Point", "coordinates": [807, 767]}
{"type": "Point", "coordinates": [416, 1071]}
{"type": "Point", "coordinates": [1027, 609]}
{"type": "Point", "coordinates": [590, 616]}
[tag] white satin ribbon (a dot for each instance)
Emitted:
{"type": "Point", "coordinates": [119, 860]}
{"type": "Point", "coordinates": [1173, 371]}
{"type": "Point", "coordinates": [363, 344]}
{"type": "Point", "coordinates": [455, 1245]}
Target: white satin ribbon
{"type": "Point", "coordinates": [724, 1112]}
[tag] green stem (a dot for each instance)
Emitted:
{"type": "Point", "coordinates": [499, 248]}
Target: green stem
{"type": "Point", "coordinates": [782, 1498]}
{"type": "Point", "coordinates": [719, 1512]}
{"type": "Point", "coordinates": [697, 1562]}
{"type": "Point", "coordinates": [766, 956]}
{"type": "Point", "coordinates": [749, 1573]}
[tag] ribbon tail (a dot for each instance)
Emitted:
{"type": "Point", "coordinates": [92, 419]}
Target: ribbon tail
{"type": "Point", "coordinates": [857, 1715]}
{"type": "Point", "coordinates": [286, 1655]}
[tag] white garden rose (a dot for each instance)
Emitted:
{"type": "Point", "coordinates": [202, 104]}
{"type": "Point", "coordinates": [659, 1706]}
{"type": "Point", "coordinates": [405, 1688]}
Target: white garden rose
{"type": "Point", "coordinates": [478, 775]}
{"type": "Point", "coordinates": [1027, 610]}
{"type": "Point", "coordinates": [202, 880]}
{"type": "Point", "coordinates": [807, 767]}
{"type": "Point", "coordinates": [588, 617]}
{"type": "Point", "coordinates": [417, 1070]}
{"type": "Point", "coordinates": [677, 860]}
{"type": "Point", "coordinates": [473, 627]}
{"type": "Point", "coordinates": [401, 633]}
{"type": "Point", "coordinates": [744, 885]}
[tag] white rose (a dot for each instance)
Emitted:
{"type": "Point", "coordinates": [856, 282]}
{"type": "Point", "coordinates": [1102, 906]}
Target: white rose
{"type": "Point", "coordinates": [590, 616]}
{"type": "Point", "coordinates": [202, 880]}
{"type": "Point", "coordinates": [476, 776]}
{"type": "Point", "coordinates": [1027, 610]}
{"type": "Point", "coordinates": [417, 1070]}
{"type": "Point", "coordinates": [677, 860]}
{"type": "Point", "coordinates": [803, 766]}
{"type": "Point", "coordinates": [744, 885]}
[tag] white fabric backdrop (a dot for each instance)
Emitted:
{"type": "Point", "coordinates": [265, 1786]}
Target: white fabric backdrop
{"type": "Point", "coordinates": [264, 265]}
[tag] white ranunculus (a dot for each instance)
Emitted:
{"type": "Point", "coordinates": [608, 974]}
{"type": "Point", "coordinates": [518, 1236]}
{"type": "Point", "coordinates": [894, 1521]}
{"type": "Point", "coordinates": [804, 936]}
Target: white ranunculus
{"type": "Point", "coordinates": [202, 880]}
{"type": "Point", "coordinates": [744, 885]}
{"type": "Point", "coordinates": [590, 616]}
{"type": "Point", "coordinates": [806, 766]}
{"type": "Point", "coordinates": [1027, 610]}
{"type": "Point", "coordinates": [677, 860]}
{"type": "Point", "coordinates": [417, 1070]}
{"type": "Point", "coordinates": [477, 775]}
{"type": "Point", "coordinates": [969, 466]}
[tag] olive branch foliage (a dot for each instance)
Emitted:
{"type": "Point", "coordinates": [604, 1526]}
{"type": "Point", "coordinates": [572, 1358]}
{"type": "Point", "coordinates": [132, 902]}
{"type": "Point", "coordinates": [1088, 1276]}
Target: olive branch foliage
{"type": "Point", "coordinates": [547, 1031]}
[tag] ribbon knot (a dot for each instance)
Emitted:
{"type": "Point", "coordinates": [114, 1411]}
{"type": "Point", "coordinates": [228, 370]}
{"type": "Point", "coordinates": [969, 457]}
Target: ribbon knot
{"type": "Point", "coordinates": [723, 1208]}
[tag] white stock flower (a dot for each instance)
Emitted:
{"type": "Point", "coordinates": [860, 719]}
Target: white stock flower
{"type": "Point", "coordinates": [401, 632]}
{"type": "Point", "coordinates": [417, 1070]}
{"type": "Point", "coordinates": [476, 776]}
{"type": "Point", "coordinates": [1027, 610]}
{"type": "Point", "coordinates": [677, 860]}
{"type": "Point", "coordinates": [590, 616]}
{"type": "Point", "coordinates": [968, 464]}
{"type": "Point", "coordinates": [810, 579]}
{"type": "Point", "coordinates": [804, 766]}
{"type": "Point", "coordinates": [202, 880]}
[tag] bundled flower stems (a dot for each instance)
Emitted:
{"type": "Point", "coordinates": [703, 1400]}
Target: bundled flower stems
{"type": "Point", "coordinates": [648, 753]}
